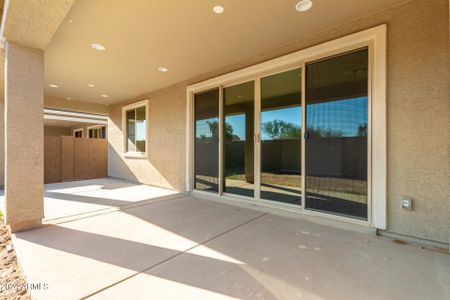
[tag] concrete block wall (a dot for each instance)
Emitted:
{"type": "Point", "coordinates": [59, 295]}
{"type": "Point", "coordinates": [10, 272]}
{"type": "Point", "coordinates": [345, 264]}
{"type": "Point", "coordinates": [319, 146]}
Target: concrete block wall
{"type": "Point", "coordinates": [68, 158]}
{"type": "Point", "coordinates": [52, 159]}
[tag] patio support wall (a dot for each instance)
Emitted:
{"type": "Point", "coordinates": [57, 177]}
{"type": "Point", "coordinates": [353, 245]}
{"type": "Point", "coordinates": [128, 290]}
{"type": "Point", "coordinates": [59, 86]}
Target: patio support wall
{"type": "Point", "coordinates": [24, 97]}
{"type": "Point", "coordinates": [2, 145]}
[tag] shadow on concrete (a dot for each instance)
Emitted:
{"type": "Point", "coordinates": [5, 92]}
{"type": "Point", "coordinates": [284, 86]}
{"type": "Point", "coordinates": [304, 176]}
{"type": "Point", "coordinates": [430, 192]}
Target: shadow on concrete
{"type": "Point", "coordinates": [141, 257]}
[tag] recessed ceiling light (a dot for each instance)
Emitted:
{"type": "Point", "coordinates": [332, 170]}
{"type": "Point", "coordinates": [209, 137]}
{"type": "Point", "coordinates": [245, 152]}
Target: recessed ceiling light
{"type": "Point", "coordinates": [52, 85]}
{"type": "Point", "coordinates": [90, 85]}
{"type": "Point", "coordinates": [105, 96]}
{"type": "Point", "coordinates": [70, 21]}
{"type": "Point", "coordinates": [163, 69]}
{"type": "Point", "coordinates": [218, 9]}
{"type": "Point", "coordinates": [98, 47]}
{"type": "Point", "coordinates": [68, 98]}
{"type": "Point", "coordinates": [303, 5]}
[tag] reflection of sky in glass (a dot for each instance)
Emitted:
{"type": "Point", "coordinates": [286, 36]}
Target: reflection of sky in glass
{"type": "Point", "coordinates": [140, 130]}
{"type": "Point", "coordinates": [237, 122]}
{"type": "Point", "coordinates": [344, 116]}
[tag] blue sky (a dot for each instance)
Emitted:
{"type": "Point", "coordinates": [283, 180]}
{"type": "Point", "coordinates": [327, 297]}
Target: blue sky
{"type": "Point", "coordinates": [344, 116]}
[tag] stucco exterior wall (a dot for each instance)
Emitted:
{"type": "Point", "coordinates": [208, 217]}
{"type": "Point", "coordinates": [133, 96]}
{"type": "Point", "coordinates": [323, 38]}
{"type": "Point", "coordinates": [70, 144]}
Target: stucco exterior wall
{"type": "Point", "coordinates": [165, 165]}
{"type": "Point", "coordinates": [2, 143]}
{"type": "Point", "coordinates": [418, 117]}
{"type": "Point", "coordinates": [57, 131]}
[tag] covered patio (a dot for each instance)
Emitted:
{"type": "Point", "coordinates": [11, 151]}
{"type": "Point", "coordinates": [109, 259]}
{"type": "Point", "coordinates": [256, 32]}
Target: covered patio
{"type": "Point", "coordinates": [105, 244]}
{"type": "Point", "coordinates": [291, 149]}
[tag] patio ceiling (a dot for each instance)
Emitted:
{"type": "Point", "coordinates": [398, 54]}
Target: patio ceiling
{"type": "Point", "coordinates": [186, 37]}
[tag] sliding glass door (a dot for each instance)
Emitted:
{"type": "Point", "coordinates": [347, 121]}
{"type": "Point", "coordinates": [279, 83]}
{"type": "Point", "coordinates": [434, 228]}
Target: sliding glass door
{"type": "Point", "coordinates": [238, 136]}
{"type": "Point", "coordinates": [281, 120]}
{"type": "Point", "coordinates": [271, 138]}
{"type": "Point", "coordinates": [336, 144]}
{"type": "Point", "coordinates": [206, 147]}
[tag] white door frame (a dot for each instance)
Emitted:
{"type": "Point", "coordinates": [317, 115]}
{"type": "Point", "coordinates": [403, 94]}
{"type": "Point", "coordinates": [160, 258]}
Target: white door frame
{"type": "Point", "coordinates": [375, 40]}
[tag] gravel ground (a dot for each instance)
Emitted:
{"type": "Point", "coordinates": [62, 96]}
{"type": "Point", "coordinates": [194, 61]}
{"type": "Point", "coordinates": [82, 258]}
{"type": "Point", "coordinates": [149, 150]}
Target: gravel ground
{"type": "Point", "coordinates": [12, 280]}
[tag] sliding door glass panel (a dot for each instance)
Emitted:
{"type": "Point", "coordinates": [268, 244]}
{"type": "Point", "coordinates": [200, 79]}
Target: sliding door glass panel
{"type": "Point", "coordinates": [238, 136]}
{"type": "Point", "coordinates": [336, 123]}
{"type": "Point", "coordinates": [206, 148]}
{"type": "Point", "coordinates": [281, 120]}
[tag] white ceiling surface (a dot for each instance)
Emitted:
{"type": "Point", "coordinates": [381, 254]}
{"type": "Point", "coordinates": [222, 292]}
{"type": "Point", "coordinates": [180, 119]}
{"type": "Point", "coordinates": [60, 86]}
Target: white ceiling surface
{"type": "Point", "coordinates": [184, 36]}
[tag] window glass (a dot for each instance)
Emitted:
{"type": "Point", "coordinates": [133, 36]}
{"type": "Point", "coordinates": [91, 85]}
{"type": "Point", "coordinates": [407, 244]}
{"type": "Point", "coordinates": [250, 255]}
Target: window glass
{"type": "Point", "coordinates": [131, 130]}
{"type": "Point", "coordinates": [136, 122]}
{"type": "Point", "coordinates": [140, 129]}
{"type": "Point", "coordinates": [79, 134]}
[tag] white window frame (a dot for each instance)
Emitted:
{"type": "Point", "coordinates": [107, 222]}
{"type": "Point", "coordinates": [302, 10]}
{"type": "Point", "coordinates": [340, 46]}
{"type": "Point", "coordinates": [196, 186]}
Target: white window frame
{"type": "Point", "coordinates": [78, 130]}
{"type": "Point", "coordinates": [375, 40]}
{"type": "Point", "coordinates": [133, 154]}
{"type": "Point", "coordinates": [97, 127]}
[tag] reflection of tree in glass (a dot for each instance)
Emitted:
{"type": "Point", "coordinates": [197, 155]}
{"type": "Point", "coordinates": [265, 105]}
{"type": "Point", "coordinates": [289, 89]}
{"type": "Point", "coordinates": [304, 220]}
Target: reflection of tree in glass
{"type": "Point", "coordinates": [214, 129]}
{"type": "Point", "coordinates": [362, 130]}
{"type": "Point", "coordinates": [279, 129]}
{"type": "Point", "coordinates": [324, 132]}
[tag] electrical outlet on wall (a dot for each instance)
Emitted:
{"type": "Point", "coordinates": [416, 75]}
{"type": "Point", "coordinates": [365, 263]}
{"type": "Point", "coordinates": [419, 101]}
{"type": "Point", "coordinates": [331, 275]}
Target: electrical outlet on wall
{"type": "Point", "coordinates": [407, 203]}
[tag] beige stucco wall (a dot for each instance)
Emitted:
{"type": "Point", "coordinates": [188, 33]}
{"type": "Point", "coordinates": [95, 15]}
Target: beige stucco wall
{"type": "Point", "coordinates": [57, 131]}
{"type": "Point", "coordinates": [167, 128]}
{"type": "Point", "coordinates": [418, 118]}
{"type": "Point", "coordinates": [2, 144]}
{"type": "Point", "coordinates": [24, 163]}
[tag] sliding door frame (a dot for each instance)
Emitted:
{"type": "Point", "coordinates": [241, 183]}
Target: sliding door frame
{"type": "Point", "coordinates": [375, 40]}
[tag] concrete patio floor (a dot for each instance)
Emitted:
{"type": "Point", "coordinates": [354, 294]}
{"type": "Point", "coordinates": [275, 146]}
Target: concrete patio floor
{"type": "Point", "coordinates": [65, 200]}
{"type": "Point", "coordinates": [176, 246]}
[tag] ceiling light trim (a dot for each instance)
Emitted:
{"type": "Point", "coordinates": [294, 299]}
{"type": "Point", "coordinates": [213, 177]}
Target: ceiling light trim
{"type": "Point", "coordinates": [303, 5]}
{"type": "Point", "coordinates": [98, 47]}
{"type": "Point", "coordinates": [218, 9]}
